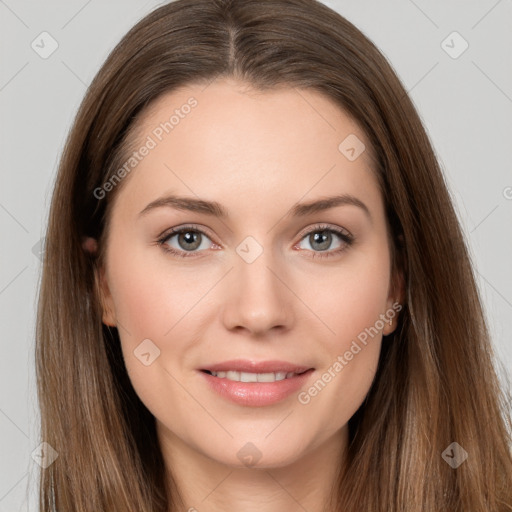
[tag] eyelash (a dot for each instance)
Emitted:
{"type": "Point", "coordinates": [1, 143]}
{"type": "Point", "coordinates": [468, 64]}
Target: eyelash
{"type": "Point", "coordinates": [345, 237]}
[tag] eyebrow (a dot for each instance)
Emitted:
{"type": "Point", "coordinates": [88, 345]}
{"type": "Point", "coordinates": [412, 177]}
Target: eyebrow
{"type": "Point", "coordinates": [217, 210]}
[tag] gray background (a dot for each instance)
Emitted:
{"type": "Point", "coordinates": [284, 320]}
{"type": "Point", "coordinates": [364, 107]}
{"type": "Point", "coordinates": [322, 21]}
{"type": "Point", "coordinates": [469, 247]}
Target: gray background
{"type": "Point", "coordinates": [465, 103]}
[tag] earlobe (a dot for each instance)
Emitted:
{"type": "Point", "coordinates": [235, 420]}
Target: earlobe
{"type": "Point", "coordinates": [105, 298]}
{"type": "Point", "coordinates": [90, 245]}
{"type": "Point", "coordinates": [390, 326]}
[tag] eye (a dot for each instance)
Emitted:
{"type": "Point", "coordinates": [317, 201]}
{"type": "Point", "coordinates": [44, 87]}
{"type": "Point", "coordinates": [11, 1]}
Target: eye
{"type": "Point", "coordinates": [321, 240]}
{"type": "Point", "coordinates": [190, 240]}
{"type": "Point", "coordinates": [185, 241]}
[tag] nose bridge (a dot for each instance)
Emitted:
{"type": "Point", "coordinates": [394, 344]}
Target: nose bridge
{"type": "Point", "coordinates": [256, 299]}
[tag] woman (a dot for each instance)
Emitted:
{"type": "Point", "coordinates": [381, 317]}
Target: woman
{"type": "Point", "coordinates": [256, 294]}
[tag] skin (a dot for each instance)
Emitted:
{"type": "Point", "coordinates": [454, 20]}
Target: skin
{"type": "Point", "coordinates": [257, 154]}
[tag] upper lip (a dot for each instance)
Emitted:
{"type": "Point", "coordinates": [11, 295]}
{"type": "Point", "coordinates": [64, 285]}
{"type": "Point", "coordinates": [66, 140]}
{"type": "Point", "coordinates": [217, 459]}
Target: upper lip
{"type": "Point", "coordinates": [244, 365]}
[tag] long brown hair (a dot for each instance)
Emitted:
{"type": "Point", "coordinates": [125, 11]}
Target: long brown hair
{"type": "Point", "coordinates": [436, 381]}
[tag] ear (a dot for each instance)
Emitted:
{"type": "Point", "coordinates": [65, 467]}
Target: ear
{"type": "Point", "coordinates": [395, 302]}
{"type": "Point", "coordinates": [105, 297]}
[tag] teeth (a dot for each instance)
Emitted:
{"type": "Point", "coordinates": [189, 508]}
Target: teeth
{"type": "Point", "coordinates": [248, 377]}
{"type": "Point", "coordinates": [253, 377]}
{"type": "Point", "coordinates": [266, 377]}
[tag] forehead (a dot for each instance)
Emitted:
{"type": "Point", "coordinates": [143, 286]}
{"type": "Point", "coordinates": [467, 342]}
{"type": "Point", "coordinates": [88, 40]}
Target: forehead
{"type": "Point", "coordinates": [223, 138]}
{"type": "Point", "coordinates": [285, 112]}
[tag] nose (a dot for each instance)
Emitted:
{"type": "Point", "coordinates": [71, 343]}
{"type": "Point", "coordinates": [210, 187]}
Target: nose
{"type": "Point", "coordinates": [257, 298]}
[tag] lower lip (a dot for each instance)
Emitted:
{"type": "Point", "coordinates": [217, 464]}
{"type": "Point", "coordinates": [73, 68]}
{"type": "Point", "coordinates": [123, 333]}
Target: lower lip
{"type": "Point", "coordinates": [256, 394]}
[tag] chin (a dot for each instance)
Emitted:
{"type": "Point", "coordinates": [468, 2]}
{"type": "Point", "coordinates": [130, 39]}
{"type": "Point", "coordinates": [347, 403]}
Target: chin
{"type": "Point", "coordinates": [258, 455]}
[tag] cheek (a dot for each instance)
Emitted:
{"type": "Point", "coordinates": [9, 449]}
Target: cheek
{"type": "Point", "coordinates": [149, 297]}
{"type": "Point", "coordinates": [354, 297]}
{"type": "Point", "coordinates": [353, 308]}
{"type": "Point", "coordinates": [149, 303]}
{"type": "Point", "coordinates": [153, 302]}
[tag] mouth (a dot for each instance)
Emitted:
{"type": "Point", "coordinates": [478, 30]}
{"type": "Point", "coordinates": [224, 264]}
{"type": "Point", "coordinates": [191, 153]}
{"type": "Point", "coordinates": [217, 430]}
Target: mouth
{"type": "Point", "coordinates": [256, 384]}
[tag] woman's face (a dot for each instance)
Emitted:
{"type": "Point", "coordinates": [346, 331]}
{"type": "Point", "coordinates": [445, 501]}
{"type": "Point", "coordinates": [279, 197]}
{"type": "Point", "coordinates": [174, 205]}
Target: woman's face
{"type": "Point", "coordinates": [275, 281]}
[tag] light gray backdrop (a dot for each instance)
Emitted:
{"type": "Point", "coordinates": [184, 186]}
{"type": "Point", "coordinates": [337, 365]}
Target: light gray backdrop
{"type": "Point", "coordinates": [50, 52]}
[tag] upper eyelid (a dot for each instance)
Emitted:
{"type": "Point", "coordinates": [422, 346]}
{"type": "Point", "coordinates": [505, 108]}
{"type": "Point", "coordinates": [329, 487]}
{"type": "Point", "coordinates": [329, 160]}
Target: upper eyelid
{"type": "Point", "coordinates": [323, 227]}
{"type": "Point", "coordinates": [176, 231]}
